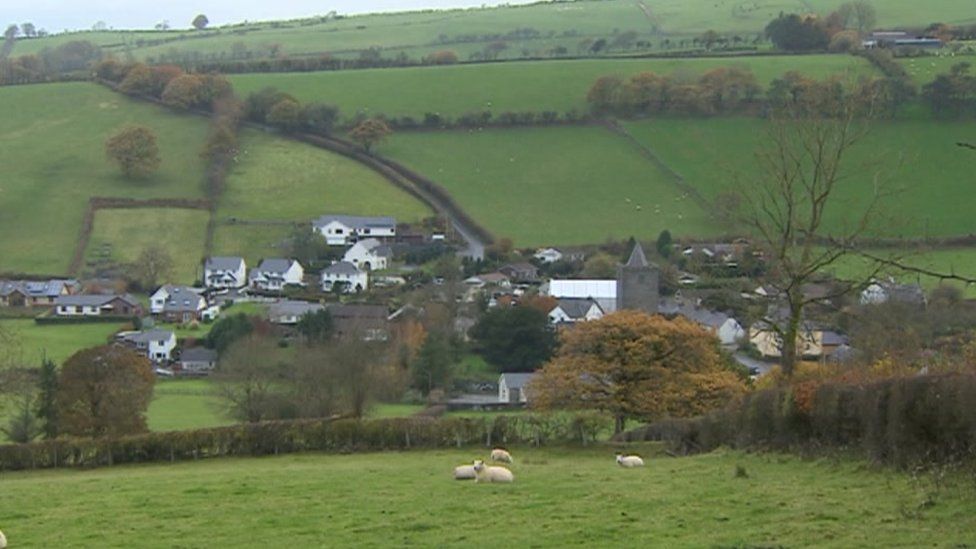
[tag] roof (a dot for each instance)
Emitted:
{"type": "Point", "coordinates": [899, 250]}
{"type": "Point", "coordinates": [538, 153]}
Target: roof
{"type": "Point", "coordinates": [704, 317]}
{"type": "Point", "coordinates": [198, 354]}
{"type": "Point", "coordinates": [637, 257]}
{"type": "Point", "coordinates": [358, 311]}
{"type": "Point", "coordinates": [223, 263]}
{"type": "Point", "coordinates": [182, 298]}
{"type": "Point", "coordinates": [273, 265]}
{"type": "Point", "coordinates": [515, 380]}
{"type": "Point", "coordinates": [597, 289]}
{"type": "Point", "coordinates": [374, 247]}
{"type": "Point", "coordinates": [341, 268]}
{"type": "Point", "coordinates": [832, 338]}
{"type": "Point", "coordinates": [576, 307]}
{"type": "Point", "coordinates": [32, 288]}
{"type": "Point", "coordinates": [94, 300]}
{"type": "Point", "coordinates": [149, 335]}
{"type": "Point", "coordinates": [357, 222]}
{"type": "Point", "coordinates": [293, 308]}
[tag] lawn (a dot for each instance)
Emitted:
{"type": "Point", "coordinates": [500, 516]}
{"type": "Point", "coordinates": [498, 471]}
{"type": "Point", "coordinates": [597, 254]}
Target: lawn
{"type": "Point", "coordinates": [547, 186]}
{"type": "Point", "coordinates": [120, 236]}
{"type": "Point", "coordinates": [52, 150]}
{"type": "Point", "coordinates": [181, 404]}
{"type": "Point", "coordinates": [917, 160]}
{"type": "Point", "coordinates": [57, 342]}
{"type": "Point", "coordinates": [558, 86]}
{"type": "Point", "coordinates": [561, 497]}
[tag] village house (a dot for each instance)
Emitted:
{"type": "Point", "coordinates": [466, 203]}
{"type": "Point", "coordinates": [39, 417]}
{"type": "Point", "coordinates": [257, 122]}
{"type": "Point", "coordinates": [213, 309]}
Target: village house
{"type": "Point", "coordinates": [371, 322]}
{"type": "Point", "coordinates": [97, 305]}
{"type": "Point", "coordinates": [345, 277]}
{"type": "Point", "coordinates": [552, 255]}
{"type": "Point", "coordinates": [197, 361]}
{"type": "Point", "coordinates": [489, 279]}
{"type": "Point", "coordinates": [521, 272]}
{"type": "Point", "coordinates": [224, 273]}
{"type": "Point", "coordinates": [181, 304]}
{"type": "Point", "coordinates": [569, 310]}
{"type": "Point", "coordinates": [512, 388]}
{"type": "Point", "coordinates": [884, 291]}
{"type": "Point", "coordinates": [31, 293]}
{"type": "Point", "coordinates": [812, 340]}
{"type": "Point", "coordinates": [369, 254]}
{"type": "Point", "coordinates": [272, 275]}
{"type": "Point", "coordinates": [342, 230]}
{"type": "Point", "coordinates": [156, 345]}
{"type": "Point", "coordinates": [727, 329]}
{"type": "Point", "coordinates": [290, 312]}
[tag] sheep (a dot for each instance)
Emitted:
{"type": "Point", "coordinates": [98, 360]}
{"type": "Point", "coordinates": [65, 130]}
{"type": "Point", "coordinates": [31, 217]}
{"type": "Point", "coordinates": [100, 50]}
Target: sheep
{"type": "Point", "coordinates": [629, 461]}
{"type": "Point", "coordinates": [499, 454]}
{"type": "Point", "coordinates": [464, 472]}
{"type": "Point", "coordinates": [3, 541]}
{"type": "Point", "coordinates": [491, 474]}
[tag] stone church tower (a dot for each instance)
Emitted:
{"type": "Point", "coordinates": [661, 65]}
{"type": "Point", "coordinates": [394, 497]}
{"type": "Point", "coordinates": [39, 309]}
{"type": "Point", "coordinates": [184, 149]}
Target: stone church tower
{"type": "Point", "coordinates": [637, 283]}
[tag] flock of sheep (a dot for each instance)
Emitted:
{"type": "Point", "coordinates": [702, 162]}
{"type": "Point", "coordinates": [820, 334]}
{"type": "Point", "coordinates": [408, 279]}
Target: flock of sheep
{"type": "Point", "coordinates": [479, 472]}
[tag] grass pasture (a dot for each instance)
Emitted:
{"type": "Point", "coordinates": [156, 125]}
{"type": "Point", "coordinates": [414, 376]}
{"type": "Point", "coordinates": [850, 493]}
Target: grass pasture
{"type": "Point", "coordinates": [558, 86]}
{"type": "Point", "coordinates": [561, 497]}
{"type": "Point", "coordinates": [181, 404]}
{"type": "Point", "coordinates": [918, 160]}
{"type": "Point", "coordinates": [960, 261]}
{"type": "Point", "coordinates": [52, 150]}
{"type": "Point", "coordinates": [924, 69]}
{"type": "Point", "coordinates": [57, 342]}
{"type": "Point", "coordinates": [546, 186]}
{"type": "Point", "coordinates": [121, 235]}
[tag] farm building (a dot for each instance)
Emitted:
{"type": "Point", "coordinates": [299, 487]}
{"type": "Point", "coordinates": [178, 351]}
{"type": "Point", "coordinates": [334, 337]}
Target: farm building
{"type": "Point", "coordinates": [342, 230]}
{"type": "Point", "coordinates": [222, 273]}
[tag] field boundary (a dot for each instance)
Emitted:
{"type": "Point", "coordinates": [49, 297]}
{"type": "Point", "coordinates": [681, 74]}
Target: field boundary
{"type": "Point", "coordinates": [97, 203]}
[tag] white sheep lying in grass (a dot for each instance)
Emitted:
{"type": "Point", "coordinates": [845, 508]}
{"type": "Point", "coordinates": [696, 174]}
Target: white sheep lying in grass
{"type": "Point", "coordinates": [629, 461]}
{"type": "Point", "coordinates": [3, 541]}
{"type": "Point", "coordinates": [464, 472]}
{"type": "Point", "coordinates": [498, 454]}
{"type": "Point", "coordinates": [491, 474]}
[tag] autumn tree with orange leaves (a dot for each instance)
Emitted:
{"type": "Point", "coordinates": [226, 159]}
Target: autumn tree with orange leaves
{"type": "Point", "coordinates": [636, 366]}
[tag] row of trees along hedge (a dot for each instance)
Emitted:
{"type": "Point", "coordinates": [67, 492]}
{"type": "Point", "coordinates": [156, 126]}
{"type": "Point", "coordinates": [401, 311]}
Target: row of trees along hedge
{"type": "Point", "coordinates": [69, 61]}
{"type": "Point", "coordinates": [732, 90]}
{"type": "Point", "coordinates": [902, 422]}
{"type": "Point", "coordinates": [952, 94]}
{"type": "Point", "coordinates": [167, 83]}
{"type": "Point", "coordinates": [322, 435]}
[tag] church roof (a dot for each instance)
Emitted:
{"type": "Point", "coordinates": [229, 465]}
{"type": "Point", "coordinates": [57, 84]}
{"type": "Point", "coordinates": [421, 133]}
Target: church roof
{"type": "Point", "coordinates": [637, 257]}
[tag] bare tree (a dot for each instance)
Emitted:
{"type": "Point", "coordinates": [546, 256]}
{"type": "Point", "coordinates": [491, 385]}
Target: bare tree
{"type": "Point", "coordinates": [153, 266]}
{"type": "Point", "coordinates": [247, 377]}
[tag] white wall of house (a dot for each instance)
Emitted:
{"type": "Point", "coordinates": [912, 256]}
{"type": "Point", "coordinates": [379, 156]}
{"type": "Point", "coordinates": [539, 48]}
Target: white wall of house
{"type": "Point", "coordinates": [548, 255]}
{"type": "Point", "coordinates": [158, 301]}
{"type": "Point", "coordinates": [225, 279]}
{"type": "Point", "coordinates": [295, 273]}
{"type": "Point", "coordinates": [78, 310]}
{"type": "Point", "coordinates": [361, 255]}
{"type": "Point", "coordinates": [354, 283]}
{"type": "Point", "coordinates": [162, 349]}
{"type": "Point", "coordinates": [198, 367]}
{"type": "Point", "coordinates": [730, 332]}
{"type": "Point", "coordinates": [337, 234]}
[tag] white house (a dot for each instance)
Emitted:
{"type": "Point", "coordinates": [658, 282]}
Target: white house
{"type": "Point", "coordinates": [290, 312]}
{"type": "Point", "coordinates": [221, 273]}
{"type": "Point", "coordinates": [181, 304]}
{"type": "Point", "coordinates": [273, 275]}
{"type": "Point", "coordinates": [369, 254]}
{"type": "Point", "coordinates": [157, 345]}
{"type": "Point", "coordinates": [548, 255]}
{"type": "Point", "coordinates": [198, 361]}
{"type": "Point", "coordinates": [603, 292]}
{"type": "Point", "coordinates": [97, 305]}
{"type": "Point", "coordinates": [345, 273]}
{"type": "Point", "coordinates": [511, 388]}
{"type": "Point", "coordinates": [573, 309]}
{"type": "Point", "coordinates": [727, 329]}
{"type": "Point", "coordinates": [342, 230]}
{"type": "Point", "coordinates": [884, 291]}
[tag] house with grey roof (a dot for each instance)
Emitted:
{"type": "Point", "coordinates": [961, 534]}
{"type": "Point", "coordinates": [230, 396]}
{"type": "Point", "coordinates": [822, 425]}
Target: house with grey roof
{"type": "Point", "coordinates": [884, 291]}
{"type": "Point", "coordinates": [222, 273]}
{"type": "Point", "coordinates": [343, 277]}
{"type": "Point", "coordinates": [369, 254]}
{"type": "Point", "coordinates": [342, 230]}
{"type": "Point", "coordinates": [272, 275]}
{"type": "Point", "coordinates": [289, 312]}
{"type": "Point", "coordinates": [371, 322]}
{"type": "Point", "coordinates": [181, 304]}
{"type": "Point", "coordinates": [97, 305]}
{"type": "Point", "coordinates": [35, 293]}
{"type": "Point", "coordinates": [727, 329]}
{"type": "Point", "coordinates": [512, 388]}
{"type": "Point", "coordinates": [156, 345]}
{"type": "Point", "coordinates": [569, 310]}
{"type": "Point", "coordinates": [197, 361]}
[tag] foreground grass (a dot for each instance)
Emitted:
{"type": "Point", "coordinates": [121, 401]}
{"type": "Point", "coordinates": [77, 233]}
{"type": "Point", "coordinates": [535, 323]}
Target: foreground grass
{"type": "Point", "coordinates": [121, 235]}
{"type": "Point", "coordinates": [52, 150]}
{"type": "Point", "coordinates": [558, 86]}
{"type": "Point", "coordinates": [561, 497]}
{"type": "Point", "coordinates": [545, 186]}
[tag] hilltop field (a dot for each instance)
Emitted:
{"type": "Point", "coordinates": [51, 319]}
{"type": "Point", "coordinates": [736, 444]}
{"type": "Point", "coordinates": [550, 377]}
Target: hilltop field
{"type": "Point", "coordinates": [561, 497]}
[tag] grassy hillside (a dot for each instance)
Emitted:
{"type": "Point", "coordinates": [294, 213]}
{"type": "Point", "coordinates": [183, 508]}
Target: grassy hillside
{"type": "Point", "coordinates": [52, 150]}
{"type": "Point", "coordinates": [119, 236]}
{"type": "Point", "coordinates": [960, 261]}
{"type": "Point", "coordinates": [56, 342]}
{"type": "Point", "coordinates": [553, 185]}
{"type": "Point", "coordinates": [286, 181]}
{"type": "Point", "coordinates": [184, 404]}
{"type": "Point", "coordinates": [521, 86]}
{"type": "Point", "coordinates": [924, 69]}
{"type": "Point", "coordinates": [918, 158]}
{"type": "Point", "coordinates": [561, 497]}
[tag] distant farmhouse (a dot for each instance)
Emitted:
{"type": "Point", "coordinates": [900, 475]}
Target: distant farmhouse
{"type": "Point", "coordinates": [899, 39]}
{"type": "Point", "coordinates": [343, 230]}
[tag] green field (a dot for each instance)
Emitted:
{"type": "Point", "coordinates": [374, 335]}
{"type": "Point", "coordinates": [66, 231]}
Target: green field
{"type": "Point", "coordinates": [544, 186]}
{"type": "Point", "coordinates": [918, 161]}
{"type": "Point", "coordinates": [183, 404]}
{"type": "Point", "coordinates": [121, 235]}
{"type": "Point", "coordinates": [558, 86]}
{"type": "Point", "coordinates": [561, 497]}
{"type": "Point", "coordinates": [924, 69]}
{"type": "Point", "coordinates": [52, 150]}
{"type": "Point", "coordinates": [57, 342]}
{"type": "Point", "coordinates": [959, 261]}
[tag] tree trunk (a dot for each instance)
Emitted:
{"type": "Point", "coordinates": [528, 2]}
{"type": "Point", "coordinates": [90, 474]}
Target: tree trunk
{"type": "Point", "coordinates": [790, 333]}
{"type": "Point", "coordinates": [618, 424]}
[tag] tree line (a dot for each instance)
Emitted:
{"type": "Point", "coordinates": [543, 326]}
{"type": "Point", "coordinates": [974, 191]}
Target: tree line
{"type": "Point", "coordinates": [70, 60]}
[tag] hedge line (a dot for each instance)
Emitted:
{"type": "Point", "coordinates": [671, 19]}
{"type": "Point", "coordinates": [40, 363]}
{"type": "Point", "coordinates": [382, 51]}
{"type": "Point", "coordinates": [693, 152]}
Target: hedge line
{"type": "Point", "coordinates": [323, 435]}
{"type": "Point", "coordinates": [899, 422]}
